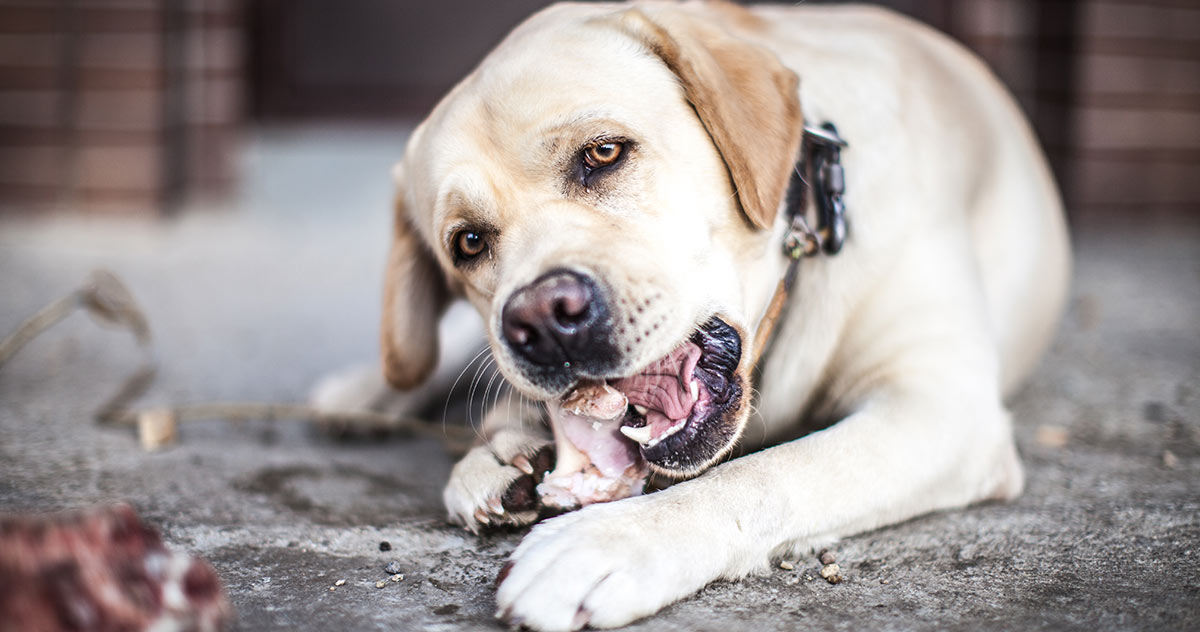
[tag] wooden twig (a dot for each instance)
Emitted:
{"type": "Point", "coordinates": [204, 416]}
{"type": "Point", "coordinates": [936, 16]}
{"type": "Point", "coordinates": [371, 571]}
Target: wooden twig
{"type": "Point", "coordinates": [364, 421]}
{"type": "Point", "coordinates": [39, 322]}
{"type": "Point", "coordinates": [110, 302]}
{"type": "Point", "coordinates": [104, 297]}
{"type": "Point", "coordinates": [116, 409]}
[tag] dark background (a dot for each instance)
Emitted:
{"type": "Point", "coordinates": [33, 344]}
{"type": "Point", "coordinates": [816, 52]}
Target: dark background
{"type": "Point", "coordinates": [137, 105]}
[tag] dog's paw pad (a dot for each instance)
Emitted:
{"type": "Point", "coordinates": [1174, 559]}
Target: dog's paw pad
{"type": "Point", "coordinates": [521, 495]}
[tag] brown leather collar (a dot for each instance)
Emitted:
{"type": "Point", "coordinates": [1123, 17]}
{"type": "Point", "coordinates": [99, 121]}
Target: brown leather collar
{"type": "Point", "coordinates": [819, 164]}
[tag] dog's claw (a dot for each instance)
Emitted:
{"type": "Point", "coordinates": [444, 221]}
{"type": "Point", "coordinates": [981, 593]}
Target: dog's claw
{"type": "Point", "coordinates": [488, 491]}
{"type": "Point", "coordinates": [482, 517]}
{"type": "Point", "coordinates": [501, 576]}
{"type": "Point", "coordinates": [582, 617]}
{"type": "Point", "coordinates": [521, 462]}
{"type": "Point", "coordinates": [495, 506]}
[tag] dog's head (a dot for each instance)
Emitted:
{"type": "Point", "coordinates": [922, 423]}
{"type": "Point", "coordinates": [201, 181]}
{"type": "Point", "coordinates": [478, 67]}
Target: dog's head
{"type": "Point", "coordinates": [602, 189]}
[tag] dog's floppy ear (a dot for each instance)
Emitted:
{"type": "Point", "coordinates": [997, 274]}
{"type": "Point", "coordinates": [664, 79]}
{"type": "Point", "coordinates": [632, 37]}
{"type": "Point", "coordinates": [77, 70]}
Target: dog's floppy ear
{"type": "Point", "coordinates": [414, 297]}
{"type": "Point", "coordinates": [746, 99]}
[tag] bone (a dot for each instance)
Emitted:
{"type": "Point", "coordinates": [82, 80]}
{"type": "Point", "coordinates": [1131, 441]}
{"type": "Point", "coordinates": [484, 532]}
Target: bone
{"type": "Point", "coordinates": [103, 569]}
{"type": "Point", "coordinates": [589, 466]}
{"type": "Point", "coordinates": [568, 458]}
{"type": "Point", "coordinates": [597, 400]}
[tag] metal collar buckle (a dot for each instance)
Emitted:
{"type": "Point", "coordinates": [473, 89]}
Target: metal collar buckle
{"type": "Point", "coordinates": [820, 158]}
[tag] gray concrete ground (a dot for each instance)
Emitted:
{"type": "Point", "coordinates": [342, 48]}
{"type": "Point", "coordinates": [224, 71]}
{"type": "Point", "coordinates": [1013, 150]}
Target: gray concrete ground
{"type": "Point", "coordinates": [257, 301]}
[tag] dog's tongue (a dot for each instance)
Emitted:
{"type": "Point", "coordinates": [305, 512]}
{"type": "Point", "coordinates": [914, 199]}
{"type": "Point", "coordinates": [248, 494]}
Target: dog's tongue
{"type": "Point", "coordinates": [666, 386]}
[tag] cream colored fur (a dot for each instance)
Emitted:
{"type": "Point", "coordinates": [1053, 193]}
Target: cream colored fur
{"type": "Point", "coordinates": [947, 292]}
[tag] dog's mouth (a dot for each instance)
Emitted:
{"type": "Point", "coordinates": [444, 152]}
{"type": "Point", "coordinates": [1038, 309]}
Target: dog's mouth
{"type": "Point", "coordinates": [676, 416]}
{"type": "Point", "coordinates": [677, 404]}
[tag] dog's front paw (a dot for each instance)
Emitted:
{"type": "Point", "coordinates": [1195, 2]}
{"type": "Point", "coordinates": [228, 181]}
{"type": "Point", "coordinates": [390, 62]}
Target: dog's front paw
{"type": "Point", "coordinates": [605, 566]}
{"type": "Point", "coordinates": [488, 490]}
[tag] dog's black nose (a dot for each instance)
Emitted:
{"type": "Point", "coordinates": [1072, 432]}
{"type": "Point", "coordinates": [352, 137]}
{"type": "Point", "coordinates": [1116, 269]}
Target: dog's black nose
{"type": "Point", "coordinates": [556, 319]}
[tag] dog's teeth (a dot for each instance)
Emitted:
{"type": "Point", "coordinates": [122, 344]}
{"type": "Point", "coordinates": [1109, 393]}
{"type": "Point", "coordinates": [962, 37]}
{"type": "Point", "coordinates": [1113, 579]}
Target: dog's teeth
{"type": "Point", "coordinates": [695, 389]}
{"type": "Point", "coordinates": [641, 410]}
{"type": "Point", "coordinates": [641, 435]}
{"type": "Point", "coordinates": [673, 429]}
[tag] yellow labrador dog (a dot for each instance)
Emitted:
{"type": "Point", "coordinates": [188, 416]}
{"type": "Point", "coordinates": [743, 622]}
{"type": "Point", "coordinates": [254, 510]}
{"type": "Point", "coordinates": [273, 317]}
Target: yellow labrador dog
{"type": "Point", "coordinates": [612, 189]}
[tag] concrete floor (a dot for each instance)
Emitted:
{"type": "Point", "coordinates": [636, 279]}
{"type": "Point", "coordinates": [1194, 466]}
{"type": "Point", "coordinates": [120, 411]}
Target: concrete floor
{"type": "Point", "coordinates": [257, 302]}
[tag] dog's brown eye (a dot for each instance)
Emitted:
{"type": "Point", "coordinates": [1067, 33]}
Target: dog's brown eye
{"type": "Point", "coordinates": [468, 245]}
{"type": "Point", "coordinates": [602, 154]}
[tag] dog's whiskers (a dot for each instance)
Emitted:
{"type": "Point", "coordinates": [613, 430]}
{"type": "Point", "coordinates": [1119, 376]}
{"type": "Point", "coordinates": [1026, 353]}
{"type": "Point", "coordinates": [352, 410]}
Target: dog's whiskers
{"type": "Point", "coordinates": [483, 405]}
{"type": "Point", "coordinates": [481, 429]}
{"type": "Point", "coordinates": [509, 402]}
{"type": "Point", "coordinates": [537, 407]}
{"type": "Point", "coordinates": [450, 394]}
{"type": "Point", "coordinates": [800, 174]}
{"type": "Point", "coordinates": [502, 388]}
{"type": "Point", "coordinates": [475, 380]}
{"type": "Point", "coordinates": [753, 409]}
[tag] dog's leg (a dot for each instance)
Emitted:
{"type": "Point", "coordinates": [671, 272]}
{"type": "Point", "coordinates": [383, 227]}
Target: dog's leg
{"type": "Point", "coordinates": [495, 483]}
{"type": "Point", "coordinates": [910, 448]}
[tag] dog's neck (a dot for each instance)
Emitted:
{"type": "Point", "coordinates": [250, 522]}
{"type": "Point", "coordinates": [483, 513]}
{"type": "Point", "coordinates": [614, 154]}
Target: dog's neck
{"type": "Point", "coordinates": [817, 174]}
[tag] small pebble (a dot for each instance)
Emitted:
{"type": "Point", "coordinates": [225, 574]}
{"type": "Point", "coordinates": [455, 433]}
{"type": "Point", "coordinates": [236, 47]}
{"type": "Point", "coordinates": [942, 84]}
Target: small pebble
{"type": "Point", "coordinates": [827, 558]}
{"type": "Point", "coordinates": [385, 546]}
{"type": "Point", "coordinates": [392, 568]}
{"type": "Point", "coordinates": [787, 566]}
{"type": "Point", "coordinates": [832, 573]}
{"type": "Point", "coordinates": [332, 588]}
{"type": "Point", "coordinates": [884, 581]}
{"type": "Point", "coordinates": [1170, 461]}
{"type": "Point", "coordinates": [397, 577]}
{"type": "Point", "coordinates": [380, 584]}
{"type": "Point", "coordinates": [340, 582]}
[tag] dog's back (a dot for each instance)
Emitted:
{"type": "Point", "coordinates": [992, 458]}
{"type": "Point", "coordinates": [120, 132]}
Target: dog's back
{"type": "Point", "coordinates": [970, 150]}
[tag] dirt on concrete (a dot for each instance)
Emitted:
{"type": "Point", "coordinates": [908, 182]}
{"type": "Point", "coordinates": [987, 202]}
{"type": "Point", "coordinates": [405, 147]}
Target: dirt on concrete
{"type": "Point", "coordinates": [257, 303]}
